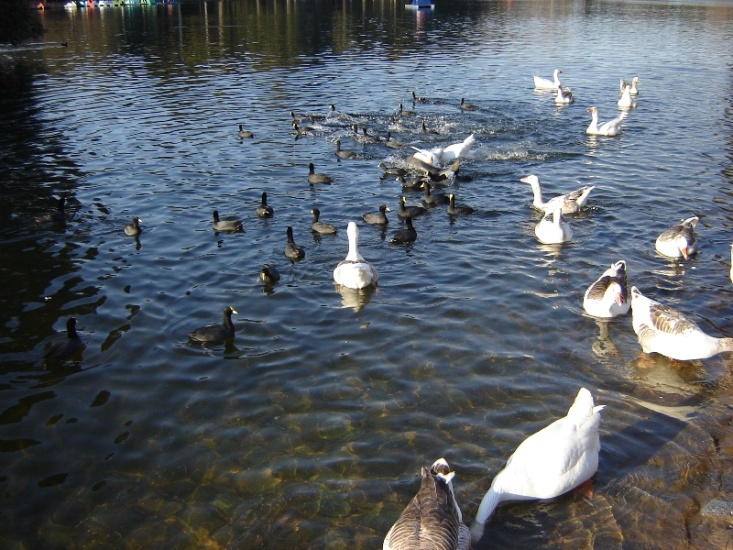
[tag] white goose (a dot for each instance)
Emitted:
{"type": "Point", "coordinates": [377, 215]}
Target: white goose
{"type": "Point", "coordinates": [633, 90]}
{"type": "Point", "coordinates": [354, 271]}
{"type": "Point", "coordinates": [571, 202]}
{"type": "Point", "coordinates": [549, 463]}
{"type": "Point", "coordinates": [547, 84]}
{"type": "Point", "coordinates": [553, 229]}
{"type": "Point", "coordinates": [608, 296]}
{"type": "Point", "coordinates": [610, 128]}
{"type": "Point", "coordinates": [679, 241]}
{"type": "Point", "coordinates": [456, 151]}
{"type": "Point", "coordinates": [432, 519]}
{"type": "Point", "coordinates": [626, 101]}
{"type": "Point", "coordinates": [564, 96]}
{"type": "Point", "coordinates": [666, 331]}
{"type": "Point", "coordinates": [427, 156]}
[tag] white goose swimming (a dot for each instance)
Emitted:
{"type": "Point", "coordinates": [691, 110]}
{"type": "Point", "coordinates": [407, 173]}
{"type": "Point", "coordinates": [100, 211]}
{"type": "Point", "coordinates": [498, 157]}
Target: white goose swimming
{"type": "Point", "coordinates": [571, 202]}
{"type": "Point", "coordinates": [608, 296]}
{"type": "Point", "coordinates": [432, 519]}
{"type": "Point", "coordinates": [427, 156]}
{"type": "Point", "coordinates": [633, 90]}
{"type": "Point", "coordinates": [679, 241]}
{"type": "Point", "coordinates": [626, 101]}
{"type": "Point", "coordinates": [664, 330]}
{"type": "Point", "coordinates": [549, 463]}
{"type": "Point", "coordinates": [547, 84]}
{"type": "Point", "coordinates": [553, 229]}
{"type": "Point", "coordinates": [564, 96]}
{"type": "Point", "coordinates": [456, 151]}
{"type": "Point", "coordinates": [354, 271]}
{"type": "Point", "coordinates": [610, 128]}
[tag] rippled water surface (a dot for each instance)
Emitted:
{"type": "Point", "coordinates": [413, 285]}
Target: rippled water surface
{"type": "Point", "coordinates": [309, 429]}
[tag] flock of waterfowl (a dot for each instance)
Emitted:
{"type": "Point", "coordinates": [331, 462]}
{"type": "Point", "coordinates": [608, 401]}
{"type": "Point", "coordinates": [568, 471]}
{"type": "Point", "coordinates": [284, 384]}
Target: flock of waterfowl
{"type": "Point", "coordinates": [564, 455]}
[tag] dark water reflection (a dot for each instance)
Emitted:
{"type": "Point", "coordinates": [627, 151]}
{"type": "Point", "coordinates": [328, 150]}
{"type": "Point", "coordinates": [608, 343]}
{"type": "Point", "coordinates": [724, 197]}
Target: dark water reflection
{"type": "Point", "coordinates": [309, 428]}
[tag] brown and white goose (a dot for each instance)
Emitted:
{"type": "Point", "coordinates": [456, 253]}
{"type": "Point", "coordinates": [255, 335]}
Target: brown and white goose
{"type": "Point", "coordinates": [432, 519]}
{"type": "Point", "coordinates": [564, 96]}
{"type": "Point", "coordinates": [664, 330]}
{"type": "Point", "coordinates": [633, 89]}
{"type": "Point", "coordinates": [608, 296]}
{"type": "Point", "coordinates": [679, 241]}
{"type": "Point", "coordinates": [571, 202]}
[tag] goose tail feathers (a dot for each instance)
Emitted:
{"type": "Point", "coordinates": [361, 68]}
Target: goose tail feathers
{"type": "Point", "coordinates": [583, 407]}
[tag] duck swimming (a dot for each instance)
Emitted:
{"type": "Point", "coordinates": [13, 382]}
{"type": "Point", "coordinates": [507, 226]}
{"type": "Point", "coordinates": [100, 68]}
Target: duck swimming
{"type": "Point", "coordinates": [406, 235]}
{"type": "Point", "coordinates": [66, 347]}
{"type": "Point", "coordinates": [315, 177]}
{"type": "Point", "coordinates": [269, 274]}
{"type": "Point", "coordinates": [57, 216]}
{"type": "Point", "coordinates": [454, 210]}
{"type": "Point", "coordinates": [133, 228]}
{"type": "Point", "coordinates": [225, 225]}
{"type": "Point", "coordinates": [409, 211]}
{"type": "Point", "coordinates": [264, 210]}
{"type": "Point", "coordinates": [321, 227]}
{"type": "Point", "coordinates": [215, 333]}
{"type": "Point", "coordinates": [377, 218]}
{"type": "Point", "coordinates": [292, 250]}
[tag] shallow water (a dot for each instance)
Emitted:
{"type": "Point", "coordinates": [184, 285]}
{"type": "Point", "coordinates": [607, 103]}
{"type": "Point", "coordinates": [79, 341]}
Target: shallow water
{"type": "Point", "coordinates": [309, 429]}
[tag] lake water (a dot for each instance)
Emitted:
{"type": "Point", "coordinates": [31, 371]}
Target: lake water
{"type": "Point", "coordinates": [309, 429]}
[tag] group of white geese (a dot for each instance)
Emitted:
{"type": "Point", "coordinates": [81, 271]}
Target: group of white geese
{"type": "Point", "coordinates": [563, 456]}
